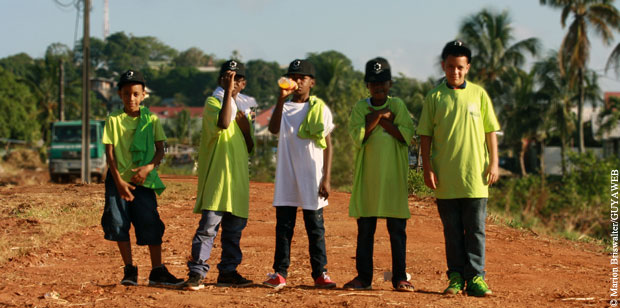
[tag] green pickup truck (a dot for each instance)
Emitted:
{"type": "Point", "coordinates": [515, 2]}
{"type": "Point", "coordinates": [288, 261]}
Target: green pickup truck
{"type": "Point", "coordinates": [65, 151]}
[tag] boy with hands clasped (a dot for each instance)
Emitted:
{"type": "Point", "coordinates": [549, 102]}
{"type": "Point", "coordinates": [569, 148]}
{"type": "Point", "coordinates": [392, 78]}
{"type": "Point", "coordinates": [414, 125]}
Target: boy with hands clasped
{"type": "Point", "coordinates": [382, 130]}
{"type": "Point", "coordinates": [134, 142]}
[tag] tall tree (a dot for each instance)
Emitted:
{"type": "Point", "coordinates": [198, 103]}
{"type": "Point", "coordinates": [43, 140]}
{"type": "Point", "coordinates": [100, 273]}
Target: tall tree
{"type": "Point", "coordinates": [490, 36]}
{"type": "Point", "coordinates": [600, 16]}
{"type": "Point", "coordinates": [340, 86]}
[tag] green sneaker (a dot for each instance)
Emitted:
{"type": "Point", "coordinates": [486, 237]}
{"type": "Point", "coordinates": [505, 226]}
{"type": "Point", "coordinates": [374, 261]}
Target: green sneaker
{"type": "Point", "coordinates": [477, 287]}
{"type": "Point", "coordinates": [456, 284]}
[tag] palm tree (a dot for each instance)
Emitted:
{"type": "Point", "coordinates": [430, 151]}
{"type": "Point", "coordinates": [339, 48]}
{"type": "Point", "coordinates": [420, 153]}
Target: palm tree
{"type": "Point", "coordinates": [490, 36]}
{"type": "Point", "coordinates": [598, 15]}
{"type": "Point", "coordinates": [554, 87]}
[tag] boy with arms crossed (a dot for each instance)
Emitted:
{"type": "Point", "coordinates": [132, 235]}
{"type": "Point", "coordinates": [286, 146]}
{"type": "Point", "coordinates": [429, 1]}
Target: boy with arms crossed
{"type": "Point", "coordinates": [303, 125]}
{"type": "Point", "coordinates": [459, 157]}
{"type": "Point", "coordinates": [382, 130]}
{"type": "Point", "coordinates": [134, 143]}
{"type": "Point", "coordinates": [223, 183]}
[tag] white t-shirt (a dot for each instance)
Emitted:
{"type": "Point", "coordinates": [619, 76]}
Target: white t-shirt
{"type": "Point", "coordinates": [300, 161]}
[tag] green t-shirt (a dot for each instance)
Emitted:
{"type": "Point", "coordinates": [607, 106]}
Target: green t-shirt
{"type": "Point", "coordinates": [381, 163]}
{"type": "Point", "coordinates": [119, 130]}
{"type": "Point", "coordinates": [223, 180]}
{"type": "Point", "coordinates": [458, 120]}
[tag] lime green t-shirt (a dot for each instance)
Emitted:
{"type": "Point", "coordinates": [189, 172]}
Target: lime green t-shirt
{"type": "Point", "coordinates": [119, 130]}
{"type": "Point", "coordinates": [223, 180]}
{"type": "Point", "coordinates": [458, 120]}
{"type": "Point", "coordinates": [381, 163]}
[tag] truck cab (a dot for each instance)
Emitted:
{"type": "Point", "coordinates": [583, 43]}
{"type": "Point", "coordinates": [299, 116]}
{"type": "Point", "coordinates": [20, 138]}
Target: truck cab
{"type": "Point", "coordinates": [65, 154]}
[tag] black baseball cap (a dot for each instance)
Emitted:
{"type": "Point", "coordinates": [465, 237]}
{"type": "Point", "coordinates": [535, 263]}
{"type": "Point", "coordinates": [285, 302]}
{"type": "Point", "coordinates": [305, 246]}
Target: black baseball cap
{"type": "Point", "coordinates": [301, 67]}
{"type": "Point", "coordinates": [131, 76]}
{"type": "Point", "coordinates": [233, 65]}
{"type": "Point", "coordinates": [377, 70]}
{"type": "Point", "coordinates": [456, 48]}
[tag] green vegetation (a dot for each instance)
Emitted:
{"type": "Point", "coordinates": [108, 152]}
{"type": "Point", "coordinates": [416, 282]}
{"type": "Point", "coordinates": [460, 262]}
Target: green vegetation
{"type": "Point", "coordinates": [575, 205]}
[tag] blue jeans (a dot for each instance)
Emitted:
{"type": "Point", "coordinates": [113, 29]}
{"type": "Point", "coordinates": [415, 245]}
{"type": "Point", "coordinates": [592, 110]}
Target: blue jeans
{"type": "Point", "coordinates": [285, 226]}
{"type": "Point", "coordinates": [366, 227]}
{"type": "Point", "coordinates": [463, 229]}
{"type": "Point", "coordinates": [202, 243]}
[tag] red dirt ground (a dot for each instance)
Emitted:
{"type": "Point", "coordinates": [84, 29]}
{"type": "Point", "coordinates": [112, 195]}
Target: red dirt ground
{"type": "Point", "coordinates": [523, 269]}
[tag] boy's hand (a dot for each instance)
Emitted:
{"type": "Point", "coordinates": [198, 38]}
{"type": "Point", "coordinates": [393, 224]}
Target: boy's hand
{"type": "Point", "coordinates": [242, 121]}
{"type": "Point", "coordinates": [124, 189]}
{"type": "Point", "coordinates": [141, 173]}
{"type": "Point", "coordinates": [430, 179]}
{"type": "Point", "coordinates": [492, 174]}
{"type": "Point", "coordinates": [284, 93]}
{"type": "Point", "coordinates": [229, 80]}
{"type": "Point", "coordinates": [324, 188]}
{"type": "Point", "coordinates": [384, 113]}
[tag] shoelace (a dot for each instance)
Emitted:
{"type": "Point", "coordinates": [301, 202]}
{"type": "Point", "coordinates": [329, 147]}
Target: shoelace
{"type": "Point", "coordinates": [272, 275]}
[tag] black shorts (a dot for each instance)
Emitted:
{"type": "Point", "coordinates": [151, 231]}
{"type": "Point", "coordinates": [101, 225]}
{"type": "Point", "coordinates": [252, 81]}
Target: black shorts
{"type": "Point", "coordinates": [118, 215]}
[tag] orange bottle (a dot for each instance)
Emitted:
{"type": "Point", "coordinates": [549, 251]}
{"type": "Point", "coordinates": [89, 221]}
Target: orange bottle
{"type": "Point", "coordinates": [287, 83]}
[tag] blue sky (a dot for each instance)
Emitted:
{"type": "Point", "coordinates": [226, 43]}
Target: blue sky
{"type": "Point", "coordinates": [409, 34]}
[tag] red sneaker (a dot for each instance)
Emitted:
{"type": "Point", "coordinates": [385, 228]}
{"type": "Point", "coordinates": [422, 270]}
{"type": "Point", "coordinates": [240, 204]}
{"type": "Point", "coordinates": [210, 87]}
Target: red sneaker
{"type": "Point", "coordinates": [324, 282]}
{"type": "Point", "coordinates": [275, 281]}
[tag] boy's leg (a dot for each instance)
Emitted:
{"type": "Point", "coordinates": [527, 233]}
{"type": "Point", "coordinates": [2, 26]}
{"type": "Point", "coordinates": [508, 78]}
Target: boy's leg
{"type": "Point", "coordinates": [232, 226]}
{"type": "Point", "coordinates": [124, 247]}
{"type": "Point", "coordinates": [398, 240]}
{"type": "Point", "coordinates": [315, 228]}
{"type": "Point", "coordinates": [366, 227]}
{"type": "Point", "coordinates": [149, 227]}
{"type": "Point", "coordinates": [450, 212]}
{"type": "Point", "coordinates": [202, 243]}
{"type": "Point", "coordinates": [474, 216]}
{"type": "Point", "coordinates": [155, 252]}
{"type": "Point", "coordinates": [285, 227]}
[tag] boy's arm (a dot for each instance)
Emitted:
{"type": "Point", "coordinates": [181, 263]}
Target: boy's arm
{"type": "Point", "coordinates": [392, 129]}
{"type": "Point", "coordinates": [124, 188]}
{"type": "Point", "coordinates": [373, 119]}
{"type": "Point", "coordinates": [244, 125]}
{"type": "Point", "coordinates": [223, 120]}
{"type": "Point", "coordinates": [276, 115]}
{"type": "Point", "coordinates": [143, 171]}
{"type": "Point", "coordinates": [492, 172]}
{"type": "Point", "coordinates": [325, 186]}
{"type": "Point", "coordinates": [430, 179]}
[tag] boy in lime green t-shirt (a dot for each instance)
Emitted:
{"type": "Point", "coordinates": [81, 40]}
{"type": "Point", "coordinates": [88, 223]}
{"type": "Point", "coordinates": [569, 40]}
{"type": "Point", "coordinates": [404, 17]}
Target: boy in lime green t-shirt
{"type": "Point", "coordinates": [134, 144]}
{"type": "Point", "coordinates": [459, 157]}
{"type": "Point", "coordinates": [382, 129]}
{"type": "Point", "coordinates": [223, 181]}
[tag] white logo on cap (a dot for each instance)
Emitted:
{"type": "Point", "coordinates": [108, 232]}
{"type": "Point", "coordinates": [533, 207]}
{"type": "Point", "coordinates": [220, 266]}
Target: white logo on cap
{"type": "Point", "coordinates": [129, 74]}
{"type": "Point", "coordinates": [296, 64]}
{"type": "Point", "coordinates": [233, 64]}
{"type": "Point", "coordinates": [377, 67]}
{"type": "Point", "coordinates": [458, 43]}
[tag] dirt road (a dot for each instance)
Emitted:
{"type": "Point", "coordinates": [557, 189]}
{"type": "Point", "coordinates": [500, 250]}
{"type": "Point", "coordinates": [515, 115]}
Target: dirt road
{"type": "Point", "coordinates": [82, 269]}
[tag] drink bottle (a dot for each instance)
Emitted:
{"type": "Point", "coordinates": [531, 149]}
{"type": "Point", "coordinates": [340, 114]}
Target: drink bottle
{"type": "Point", "coordinates": [287, 83]}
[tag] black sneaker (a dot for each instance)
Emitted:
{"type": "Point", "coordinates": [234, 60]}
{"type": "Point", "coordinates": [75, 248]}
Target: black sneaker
{"type": "Point", "coordinates": [194, 282]}
{"type": "Point", "coordinates": [161, 277]}
{"type": "Point", "coordinates": [131, 276]}
{"type": "Point", "coordinates": [232, 279]}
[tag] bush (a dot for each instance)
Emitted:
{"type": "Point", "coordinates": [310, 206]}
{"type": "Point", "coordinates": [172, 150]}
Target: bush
{"type": "Point", "coordinates": [415, 184]}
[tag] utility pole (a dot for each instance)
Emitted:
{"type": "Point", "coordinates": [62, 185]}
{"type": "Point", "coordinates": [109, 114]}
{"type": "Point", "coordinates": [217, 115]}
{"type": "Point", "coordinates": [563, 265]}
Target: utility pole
{"type": "Point", "coordinates": [61, 90]}
{"type": "Point", "coordinates": [106, 19]}
{"type": "Point", "coordinates": [86, 96]}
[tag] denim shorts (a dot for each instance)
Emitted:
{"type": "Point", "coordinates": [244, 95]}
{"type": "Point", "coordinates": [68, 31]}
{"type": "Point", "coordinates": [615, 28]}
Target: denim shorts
{"type": "Point", "coordinates": [118, 215]}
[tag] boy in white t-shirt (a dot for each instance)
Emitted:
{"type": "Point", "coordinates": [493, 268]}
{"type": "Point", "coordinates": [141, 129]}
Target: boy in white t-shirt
{"type": "Point", "coordinates": [303, 125]}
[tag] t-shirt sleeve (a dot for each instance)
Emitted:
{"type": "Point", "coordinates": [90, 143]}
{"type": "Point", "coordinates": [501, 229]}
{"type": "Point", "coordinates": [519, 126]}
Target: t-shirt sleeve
{"type": "Point", "coordinates": [158, 129]}
{"type": "Point", "coordinates": [108, 135]}
{"type": "Point", "coordinates": [357, 123]}
{"type": "Point", "coordinates": [328, 121]}
{"type": "Point", "coordinates": [210, 115]}
{"type": "Point", "coordinates": [488, 114]}
{"type": "Point", "coordinates": [426, 126]}
{"type": "Point", "coordinates": [403, 121]}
